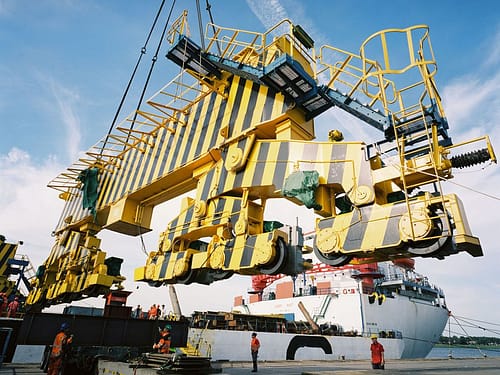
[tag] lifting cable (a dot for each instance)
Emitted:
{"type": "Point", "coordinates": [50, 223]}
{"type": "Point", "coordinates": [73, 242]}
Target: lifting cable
{"type": "Point", "coordinates": [143, 245]}
{"type": "Point", "coordinates": [200, 25]}
{"type": "Point", "coordinates": [213, 27]}
{"type": "Point", "coordinates": [143, 52]}
{"type": "Point", "coordinates": [153, 61]}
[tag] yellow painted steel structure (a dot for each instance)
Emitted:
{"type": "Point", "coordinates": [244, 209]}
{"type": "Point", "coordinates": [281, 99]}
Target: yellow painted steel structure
{"type": "Point", "coordinates": [7, 252]}
{"type": "Point", "coordinates": [237, 128]}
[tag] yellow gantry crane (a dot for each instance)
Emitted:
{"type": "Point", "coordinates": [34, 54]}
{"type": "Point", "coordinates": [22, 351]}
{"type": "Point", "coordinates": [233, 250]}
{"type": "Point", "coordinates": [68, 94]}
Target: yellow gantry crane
{"type": "Point", "coordinates": [16, 271]}
{"type": "Point", "coordinates": [236, 128]}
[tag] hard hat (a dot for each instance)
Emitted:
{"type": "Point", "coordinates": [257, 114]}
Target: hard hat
{"type": "Point", "coordinates": [335, 135]}
{"type": "Point", "coordinates": [168, 327]}
{"type": "Point", "coordinates": [374, 336]}
{"type": "Point", "coordinates": [64, 326]}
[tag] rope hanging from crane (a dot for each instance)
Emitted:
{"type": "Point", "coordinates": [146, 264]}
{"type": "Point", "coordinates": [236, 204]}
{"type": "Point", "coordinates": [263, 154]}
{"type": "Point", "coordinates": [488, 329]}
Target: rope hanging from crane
{"type": "Point", "coordinates": [142, 53]}
{"type": "Point", "coordinates": [153, 62]}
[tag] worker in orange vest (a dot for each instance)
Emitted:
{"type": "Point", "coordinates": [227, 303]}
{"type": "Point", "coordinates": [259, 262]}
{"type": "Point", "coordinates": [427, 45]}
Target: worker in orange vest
{"type": "Point", "coordinates": [59, 350]}
{"type": "Point", "coordinates": [254, 348]}
{"type": "Point", "coordinates": [153, 310]}
{"type": "Point", "coordinates": [163, 346]}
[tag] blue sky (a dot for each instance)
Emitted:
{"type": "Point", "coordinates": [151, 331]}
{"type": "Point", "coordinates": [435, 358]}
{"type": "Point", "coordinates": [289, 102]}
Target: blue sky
{"type": "Point", "coordinates": [64, 66]}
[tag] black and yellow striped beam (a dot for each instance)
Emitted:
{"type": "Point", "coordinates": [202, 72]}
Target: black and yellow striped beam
{"type": "Point", "coordinates": [174, 156]}
{"type": "Point", "coordinates": [7, 251]}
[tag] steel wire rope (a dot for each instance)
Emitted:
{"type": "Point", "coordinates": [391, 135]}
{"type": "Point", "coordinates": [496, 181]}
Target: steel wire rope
{"type": "Point", "coordinates": [466, 334]}
{"type": "Point", "coordinates": [477, 327]}
{"type": "Point", "coordinates": [450, 332]}
{"type": "Point", "coordinates": [143, 245]}
{"type": "Point", "coordinates": [455, 345]}
{"type": "Point", "coordinates": [468, 323]}
{"type": "Point", "coordinates": [200, 25]}
{"type": "Point", "coordinates": [153, 62]}
{"type": "Point", "coordinates": [213, 27]}
{"type": "Point", "coordinates": [143, 52]}
{"type": "Point", "coordinates": [476, 320]}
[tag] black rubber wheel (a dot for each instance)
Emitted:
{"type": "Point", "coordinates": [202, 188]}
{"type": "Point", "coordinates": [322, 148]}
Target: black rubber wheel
{"type": "Point", "coordinates": [280, 260]}
{"type": "Point", "coordinates": [189, 277]}
{"type": "Point", "coordinates": [334, 260]}
{"type": "Point", "coordinates": [432, 247]}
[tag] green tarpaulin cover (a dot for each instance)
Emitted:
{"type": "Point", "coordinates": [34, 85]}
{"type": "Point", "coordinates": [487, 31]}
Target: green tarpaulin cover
{"type": "Point", "coordinates": [88, 177]}
{"type": "Point", "coordinates": [302, 185]}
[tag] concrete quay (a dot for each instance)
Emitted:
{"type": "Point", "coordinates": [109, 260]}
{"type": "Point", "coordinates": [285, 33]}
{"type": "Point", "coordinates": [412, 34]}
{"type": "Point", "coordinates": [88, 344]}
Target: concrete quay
{"type": "Point", "coordinates": [467, 366]}
{"type": "Point", "coordinates": [476, 366]}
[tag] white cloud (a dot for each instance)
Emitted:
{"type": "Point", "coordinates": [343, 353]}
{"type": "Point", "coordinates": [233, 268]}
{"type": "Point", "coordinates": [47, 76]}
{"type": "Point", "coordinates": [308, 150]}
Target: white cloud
{"type": "Point", "coordinates": [471, 101]}
{"type": "Point", "coordinates": [29, 208]}
{"type": "Point", "coordinates": [268, 12]}
{"type": "Point", "coordinates": [494, 56]}
{"type": "Point", "coordinates": [67, 101]}
{"type": "Point", "coordinates": [272, 12]}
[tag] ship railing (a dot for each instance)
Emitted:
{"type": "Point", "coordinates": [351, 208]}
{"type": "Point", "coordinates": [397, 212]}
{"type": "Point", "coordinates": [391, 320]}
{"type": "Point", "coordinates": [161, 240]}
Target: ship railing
{"type": "Point", "coordinates": [384, 333]}
{"type": "Point", "coordinates": [420, 282]}
{"type": "Point", "coordinates": [302, 292]}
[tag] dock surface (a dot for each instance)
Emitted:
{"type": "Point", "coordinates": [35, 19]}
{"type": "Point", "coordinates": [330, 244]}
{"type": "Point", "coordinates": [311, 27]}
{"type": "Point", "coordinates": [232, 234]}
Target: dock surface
{"type": "Point", "coordinates": [466, 366]}
{"type": "Point", "coordinates": [479, 366]}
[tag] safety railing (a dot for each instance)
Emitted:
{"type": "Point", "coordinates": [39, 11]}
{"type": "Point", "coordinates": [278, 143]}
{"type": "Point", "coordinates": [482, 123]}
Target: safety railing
{"type": "Point", "coordinates": [345, 72]}
{"type": "Point", "coordinates": [261, 49]}
{"type": "Point", "coordinates": [409, 68]}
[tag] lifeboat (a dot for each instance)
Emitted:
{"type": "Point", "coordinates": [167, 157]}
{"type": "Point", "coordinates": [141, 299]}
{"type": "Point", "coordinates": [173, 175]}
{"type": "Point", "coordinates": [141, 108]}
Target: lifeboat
{"type": "Point", "coordinates": [406, 263]}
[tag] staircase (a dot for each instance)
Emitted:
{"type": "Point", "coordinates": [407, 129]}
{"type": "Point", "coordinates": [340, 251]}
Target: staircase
{"type": "Point", "coordinates": [22, 267]}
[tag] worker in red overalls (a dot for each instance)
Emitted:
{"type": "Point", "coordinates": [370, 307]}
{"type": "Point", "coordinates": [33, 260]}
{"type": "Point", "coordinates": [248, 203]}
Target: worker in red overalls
{"type": "Point", "coordinates": [3, 302]}
{"type": "Point", "coordinates": [12, 308]}
{"type": "Point", "coordinates": [163, 346]}
{"type": "Point", "coordinates": [59, 350]}
{"type": "Point", "coordinates": [378, 360]}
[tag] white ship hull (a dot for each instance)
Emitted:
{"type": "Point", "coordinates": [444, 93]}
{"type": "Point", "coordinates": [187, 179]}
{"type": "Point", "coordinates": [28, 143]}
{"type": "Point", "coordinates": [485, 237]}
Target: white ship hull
{"type": "Point", "coordinates": [409, 320]}
{"type": "Point", "coordinates": [223, 345]}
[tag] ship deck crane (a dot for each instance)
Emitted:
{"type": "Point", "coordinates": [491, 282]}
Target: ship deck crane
{"type": "Point", "coordinates": [236, 127]}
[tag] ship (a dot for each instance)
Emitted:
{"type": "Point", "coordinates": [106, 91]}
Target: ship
{"type": "Point", "coordinates": [329, 313]}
